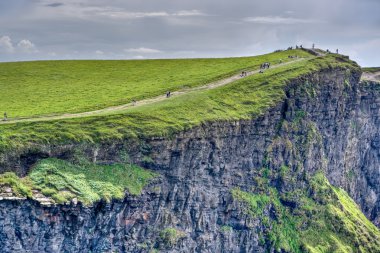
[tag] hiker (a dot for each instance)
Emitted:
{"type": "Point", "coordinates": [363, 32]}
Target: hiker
{"type": "Point", "coordinates": [5, 116]}
{"type": "Point", "coordinates": [313, 45]}
{"type": "Point", "coordinates": [168, 94]}
{"type": "Point", "coordinates": [268, 65]}
{"type": "Point", "coordinates": [296, 46]}
{"type": "Point", "coordinates": [301, 47]}
{"type": "Point", "coordinates": [337, 51]}
{"type": "Point", "coordinates": [133, 102]}
{"type": "Point", "coordinates": [328, 51]}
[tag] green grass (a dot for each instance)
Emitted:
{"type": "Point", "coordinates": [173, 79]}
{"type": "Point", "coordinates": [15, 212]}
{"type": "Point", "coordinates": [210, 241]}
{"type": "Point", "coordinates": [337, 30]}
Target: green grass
{"type": "Point", "coordinates": [55, 87]}
{"type": "Point", "coordinates": [256, 202]}
{"type": "Point", "coordinates": [244, 99]}
{"type": "Point", "coordinates": [20, 187]}
{"type": "Point", "coordinates": [170, 236]}
{"type": "Point", "coordinates": [87, 182]}
{"type": "Point", "coordinates": [371, 70]}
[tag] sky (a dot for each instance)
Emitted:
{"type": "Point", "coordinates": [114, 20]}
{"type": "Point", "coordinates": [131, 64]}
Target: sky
{"type": "Point", "coordinates": [145, 29]}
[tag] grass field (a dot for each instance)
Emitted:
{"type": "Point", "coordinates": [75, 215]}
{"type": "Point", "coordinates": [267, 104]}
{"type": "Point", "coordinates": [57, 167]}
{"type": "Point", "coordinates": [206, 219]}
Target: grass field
{"type": "Point", "coordinates": [242, 99]}
{"type": "Point", "coordinates": [56, 87]}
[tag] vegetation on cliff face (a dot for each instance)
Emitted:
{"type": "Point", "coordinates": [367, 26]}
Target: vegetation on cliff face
{"type": "Point", "coordinates": [319, 218]}
{"type": "Point", "coordinates": [88, 182]}
{"type": "Point", "coordinates": [243, 99]}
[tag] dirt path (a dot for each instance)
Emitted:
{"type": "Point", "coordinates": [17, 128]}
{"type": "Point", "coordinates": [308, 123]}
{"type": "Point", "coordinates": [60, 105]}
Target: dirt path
{"type": "Point", "coordinates": [145, 101]}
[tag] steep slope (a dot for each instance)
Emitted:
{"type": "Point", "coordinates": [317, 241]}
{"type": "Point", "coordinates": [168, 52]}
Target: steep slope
{"type": "Point", "coordinates": [268, 181]}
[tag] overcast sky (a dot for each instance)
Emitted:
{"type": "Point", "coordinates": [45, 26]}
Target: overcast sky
{"type": "Point", "coordinates": [138, 29]}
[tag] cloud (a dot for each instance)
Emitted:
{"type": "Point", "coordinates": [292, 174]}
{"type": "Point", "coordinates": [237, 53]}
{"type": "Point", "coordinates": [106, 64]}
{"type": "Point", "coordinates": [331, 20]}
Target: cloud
{"type": "Point", "coordinates": [6, 44]}
{"type": "Point", "coordinates": [129, 15]}
{"type": "Point", "coordinates": [84, 10]}
{"type": "Point", "coordinates": [123, 14]}
{"type": "Point", "coordinates": [142, 50]}
{"type": "Point", "coordinates": [99, 52]}
{"type": "Point", "coordinates": [190, 13]}
{"type": "Point", "coordinates": [53, 5]}
{"type": "Point", "coordinates": [26, 46]}
{"type": "Point", "coordinates": [278, 20]}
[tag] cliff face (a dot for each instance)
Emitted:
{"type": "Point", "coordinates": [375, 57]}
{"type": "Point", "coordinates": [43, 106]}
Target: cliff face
{"type": "Point", "coordinates": [328, 122]}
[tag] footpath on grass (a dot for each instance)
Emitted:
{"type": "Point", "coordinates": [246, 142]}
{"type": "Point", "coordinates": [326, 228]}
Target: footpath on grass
{"type": "Point", "coordinates": [125, 107]}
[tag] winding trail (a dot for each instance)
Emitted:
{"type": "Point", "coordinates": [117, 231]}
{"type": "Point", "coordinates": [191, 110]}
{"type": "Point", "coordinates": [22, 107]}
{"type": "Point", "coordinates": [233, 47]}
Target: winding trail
{"type": "Point", "coordinates": [124, 107]}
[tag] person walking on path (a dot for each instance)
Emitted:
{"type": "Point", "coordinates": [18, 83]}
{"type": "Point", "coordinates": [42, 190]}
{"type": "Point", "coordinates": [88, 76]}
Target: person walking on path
{"type": "Point", "coordinates": [5, 116]}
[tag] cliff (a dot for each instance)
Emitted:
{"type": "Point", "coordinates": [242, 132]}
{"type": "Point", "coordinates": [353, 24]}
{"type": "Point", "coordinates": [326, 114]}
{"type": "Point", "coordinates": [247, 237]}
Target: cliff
{"type": "Point", "coordinates": [230, 186]}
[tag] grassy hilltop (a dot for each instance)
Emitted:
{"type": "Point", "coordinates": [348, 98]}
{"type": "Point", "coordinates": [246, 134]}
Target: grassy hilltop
{"type": "Point", "coordinates": [48, 87]}
{"type": "Point", "coordinates": [242, 99]}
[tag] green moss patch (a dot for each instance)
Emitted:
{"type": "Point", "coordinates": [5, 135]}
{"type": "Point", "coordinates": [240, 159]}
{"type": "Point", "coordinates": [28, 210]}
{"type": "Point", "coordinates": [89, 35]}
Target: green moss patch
{"type": "Point", "coordinates": [87, 182]}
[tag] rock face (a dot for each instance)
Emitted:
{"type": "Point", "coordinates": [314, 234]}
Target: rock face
{"type": "Point", "coordinates": [328, 122]}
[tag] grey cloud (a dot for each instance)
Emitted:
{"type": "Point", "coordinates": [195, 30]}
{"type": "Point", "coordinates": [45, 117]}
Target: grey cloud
{"type": "Point", "coordinates": [26, 46]}
{"type": "Point", "coordinates": [54, 5]}
{"type": "Point", "coordinates": [276, 20]}
{"type": "Point", "coordinates": [143, 50]}
{"type": "Point", "coordinates": [6, 45]}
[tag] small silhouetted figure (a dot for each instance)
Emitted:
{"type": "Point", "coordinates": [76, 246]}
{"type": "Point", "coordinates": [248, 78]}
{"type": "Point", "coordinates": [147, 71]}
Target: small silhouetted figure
{"type": "Point", "coordinates": [296, 46]}
{"type": "Point", "coordinates": [5, 116]}
{"type": "Point", "coordinates": [301, 46]}
{"type": "Point", "coordinates": [168, 94]}
{"type": "Point", "coordinates": [328, 51]}
{"type": "Point", "coordinates": [133, 102]}
{"type": "Point", "coordinates": [313, 46]}
{"type": "Point", "coordinates": [337, 51]}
